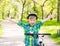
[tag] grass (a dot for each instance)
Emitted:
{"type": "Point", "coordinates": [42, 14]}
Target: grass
{"type": "Point", "coordinates": [48, 23]}
{"type": "Point", "coordinates": [56, 38]}
{"type": "Point", "coordinates": [1, 32]}
{"type": "Point", "coordinates": [52, 23]}
{"type": "Point", "coordinates": [53, 30]}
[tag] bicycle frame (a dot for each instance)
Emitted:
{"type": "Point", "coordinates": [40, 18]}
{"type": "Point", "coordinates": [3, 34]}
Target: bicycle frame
{"type": "Point", "coordinates": [39, 39]}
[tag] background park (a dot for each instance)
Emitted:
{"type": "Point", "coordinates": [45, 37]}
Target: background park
{"type": "Point", "coordinates": [16, 9]}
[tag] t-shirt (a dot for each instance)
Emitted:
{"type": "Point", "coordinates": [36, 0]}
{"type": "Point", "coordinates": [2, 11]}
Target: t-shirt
{"type": "Point", "coordinates": [27, 29]}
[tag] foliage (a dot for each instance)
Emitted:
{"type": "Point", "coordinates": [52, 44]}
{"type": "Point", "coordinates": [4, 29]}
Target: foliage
{"type": "Point", "coordinates": [8, 5]}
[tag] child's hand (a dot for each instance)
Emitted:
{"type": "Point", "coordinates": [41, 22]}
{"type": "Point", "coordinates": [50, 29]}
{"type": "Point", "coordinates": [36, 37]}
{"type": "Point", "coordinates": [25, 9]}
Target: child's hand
{"type": "Point", "coordinates": [51, 16]}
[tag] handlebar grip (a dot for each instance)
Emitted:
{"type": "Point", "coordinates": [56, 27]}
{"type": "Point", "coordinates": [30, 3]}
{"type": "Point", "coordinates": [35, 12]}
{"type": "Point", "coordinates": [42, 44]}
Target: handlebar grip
{"type": "Point", "coordinates": [29, 34]}
{"type": "Point", "coordinates": [38, 34]}
{"type": "Point", "coordinates": [44, 34]}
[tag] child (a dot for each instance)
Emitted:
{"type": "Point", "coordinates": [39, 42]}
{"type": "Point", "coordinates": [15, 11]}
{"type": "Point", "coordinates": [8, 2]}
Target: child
{"type": "Point", "coordinates": [32, 26]}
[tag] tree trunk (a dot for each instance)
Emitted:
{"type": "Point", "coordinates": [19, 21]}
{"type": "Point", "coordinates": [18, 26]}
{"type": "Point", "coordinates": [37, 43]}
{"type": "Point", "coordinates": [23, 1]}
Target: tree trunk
{"type": "Point", "coordinates": [2, 15]}
{"type": "Point", "coordinates": [42, 9]}
{"type": "Point", "coordinates": [27, 10]}
{"type": "Point", "coordinates": [58, 11]}
{"type": "Point", "coordinates": [42, 12]}
{"type": "Point", "coordinates": [23, 9]}
{"type": "Point", "coordinates": [22, 13]}
{"type": "Point", "coordinates": [51, 11]}
{"type": "Point", "coordinates": [34, 5]}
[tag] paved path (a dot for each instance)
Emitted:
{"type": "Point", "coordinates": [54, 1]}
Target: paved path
{"type": "Point", "coordinates": [49, 42]}
{"type": "Point", "coordinates": [14, 35]}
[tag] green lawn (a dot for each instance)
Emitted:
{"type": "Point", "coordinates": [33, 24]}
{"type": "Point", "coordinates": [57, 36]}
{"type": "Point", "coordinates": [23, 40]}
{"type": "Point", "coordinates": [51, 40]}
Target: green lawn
{"type": "Point", "coordinates": [53, 31]}
{"type": "Point", "coordinates": [48, 23]}
{"type": "Point", "coordinates": [56, 38]}
{"type": "Point", "coordinates": [52, 23]}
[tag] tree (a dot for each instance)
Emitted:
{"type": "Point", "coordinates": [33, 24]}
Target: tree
{"type": "Point", "coordinates": [42, 6]}
{"type": "Point", "coordinates": [23, 2]}
{"type": "Point", "coordinates": [58, 11]}
{"type": "Point", "coordinates": [23, 7]}
{"type": "Point", "coordinates": [42, 9]}
{"type": "Point", "coordinates": [50, 12]}
{"type": "Point", "coordinates": [34, 5]}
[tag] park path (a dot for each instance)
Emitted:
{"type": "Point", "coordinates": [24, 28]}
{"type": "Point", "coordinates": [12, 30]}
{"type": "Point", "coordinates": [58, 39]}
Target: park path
{"type": "Point", "coordinates": [14, 35]}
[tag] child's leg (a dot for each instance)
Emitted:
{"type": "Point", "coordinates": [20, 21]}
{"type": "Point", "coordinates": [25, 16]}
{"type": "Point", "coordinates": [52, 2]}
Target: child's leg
{"type": "Point", "coordinates": [35, 42]}
{"type": "Point", "coordinates": [27, 42]}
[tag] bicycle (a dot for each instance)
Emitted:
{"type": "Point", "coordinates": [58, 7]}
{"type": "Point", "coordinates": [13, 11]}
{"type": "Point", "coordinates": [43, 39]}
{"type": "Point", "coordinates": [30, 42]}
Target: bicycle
{"type": "Point", "coordinates": [39, 39]}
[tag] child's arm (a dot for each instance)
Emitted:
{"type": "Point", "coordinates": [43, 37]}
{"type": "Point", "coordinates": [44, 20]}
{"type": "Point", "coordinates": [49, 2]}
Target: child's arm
{"type": "Point", "coordinates": [20, 23]}
{"type": "Point", "coordinates": [13, 20]}
{"type": "Point", "coordinates": [48, 18]}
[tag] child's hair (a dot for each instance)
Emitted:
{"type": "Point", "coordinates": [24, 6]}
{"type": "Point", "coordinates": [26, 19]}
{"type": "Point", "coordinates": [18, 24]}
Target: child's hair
{"type": "Point", "coordinates": [32, 15]}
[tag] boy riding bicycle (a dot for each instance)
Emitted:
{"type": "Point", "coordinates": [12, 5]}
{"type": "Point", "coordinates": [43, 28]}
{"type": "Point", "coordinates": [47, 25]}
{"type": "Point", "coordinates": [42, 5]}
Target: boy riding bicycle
{"type": "Point", "coordinates": [32, 26]}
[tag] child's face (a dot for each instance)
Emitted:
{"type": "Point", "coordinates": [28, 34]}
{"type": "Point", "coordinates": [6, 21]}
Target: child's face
{"type": "Point", "coordinates": [32, 20]}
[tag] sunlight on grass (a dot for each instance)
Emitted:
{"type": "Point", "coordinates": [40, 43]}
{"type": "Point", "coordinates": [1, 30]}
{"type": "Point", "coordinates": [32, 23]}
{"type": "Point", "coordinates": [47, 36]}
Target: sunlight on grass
{"type": "Point", "coordinates": [57, 40]}
{"type": "Point", "coordinates": [50, 29]}
{"type": "Point", "coordinates": [52, 23]}
{"type": "Point", "coordinates": [53, 30]}
{"type": "Point", "coordinates": [48, 23]}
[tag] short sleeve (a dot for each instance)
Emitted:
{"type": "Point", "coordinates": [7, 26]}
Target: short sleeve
{"type": "Point", "coordinates": [21, 24]}
{"type": "Point", "coordinates": [40, 24]}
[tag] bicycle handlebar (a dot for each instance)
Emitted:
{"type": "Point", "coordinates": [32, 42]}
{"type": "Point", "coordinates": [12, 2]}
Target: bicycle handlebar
{"type": "Point", "coordinates": [37, 34]}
